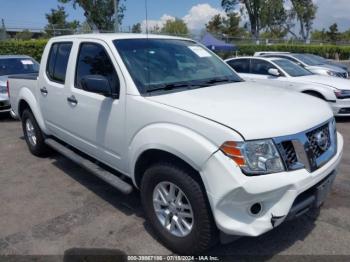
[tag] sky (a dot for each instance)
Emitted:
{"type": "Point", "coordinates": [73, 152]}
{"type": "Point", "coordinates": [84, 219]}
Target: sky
{"type": "Point", "coordinates": [31, 13]}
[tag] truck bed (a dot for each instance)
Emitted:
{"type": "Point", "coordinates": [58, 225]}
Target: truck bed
{"type": "Point", "coordinates": [19, 82]}
{"type": "Point", "coordinates": [33, 76]}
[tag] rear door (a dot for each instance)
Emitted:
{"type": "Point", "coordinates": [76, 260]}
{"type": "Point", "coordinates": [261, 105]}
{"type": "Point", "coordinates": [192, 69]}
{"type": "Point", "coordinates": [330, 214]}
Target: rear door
{"type": "Point", "coordinates": [241, 66]}
{"type": "Point", "coordinates": [52, 86]}
{"type": "Point", "coordinates": [94, 122]}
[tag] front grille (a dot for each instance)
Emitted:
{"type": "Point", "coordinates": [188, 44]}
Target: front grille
{"type": "Point", "coordinates": [344, 110]}
{"type": "Point", "coordinates": [290, 156]}
{"type": "Point", "coordinates": [342, 75]}
{"type": "Point", "coordinates": [310, 149]}
{"type": "Point", "coordinates": [313, 137]}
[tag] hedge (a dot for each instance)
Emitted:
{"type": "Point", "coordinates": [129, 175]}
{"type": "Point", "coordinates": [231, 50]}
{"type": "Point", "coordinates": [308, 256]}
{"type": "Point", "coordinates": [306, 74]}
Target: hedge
{"type": "Point", "coordinates": [34, 48]}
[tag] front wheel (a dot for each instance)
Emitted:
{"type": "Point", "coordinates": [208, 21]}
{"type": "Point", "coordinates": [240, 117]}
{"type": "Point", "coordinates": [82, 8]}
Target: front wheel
{"type": "Point", "coordinates": [177, 209]}
{"type": "Point", "coordinates": [33, 134]}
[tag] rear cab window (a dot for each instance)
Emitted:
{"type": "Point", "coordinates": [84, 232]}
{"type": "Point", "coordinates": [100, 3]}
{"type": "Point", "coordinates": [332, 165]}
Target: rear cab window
{"type": "Point", "coordinates": [58, 61]}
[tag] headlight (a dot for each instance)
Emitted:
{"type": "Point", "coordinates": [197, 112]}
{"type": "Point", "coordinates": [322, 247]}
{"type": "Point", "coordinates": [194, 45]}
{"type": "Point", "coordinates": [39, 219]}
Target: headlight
{"type": "Point", "coordinates": [331, 73]}
{"type": "Point", "coordinates": [342, 94]}
{"type": "Point", "coordinates": [254, 157]}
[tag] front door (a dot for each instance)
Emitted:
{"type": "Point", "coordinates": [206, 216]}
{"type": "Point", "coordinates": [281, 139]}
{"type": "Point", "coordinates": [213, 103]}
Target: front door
{"type": "Point", "coordinates": [95, 122]}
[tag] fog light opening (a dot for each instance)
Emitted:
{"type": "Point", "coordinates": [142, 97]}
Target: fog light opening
{"type": "Point", "coordinates": [256, 209]}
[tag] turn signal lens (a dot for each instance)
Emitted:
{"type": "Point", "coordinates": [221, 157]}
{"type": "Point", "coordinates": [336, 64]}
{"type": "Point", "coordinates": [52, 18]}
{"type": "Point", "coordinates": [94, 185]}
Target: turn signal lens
{"type": "Point", "coordinates": [233, 151]}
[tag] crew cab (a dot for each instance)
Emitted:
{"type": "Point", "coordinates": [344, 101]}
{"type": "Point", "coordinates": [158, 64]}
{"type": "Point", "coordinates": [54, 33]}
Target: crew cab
{"type": "Point", "coordinates": [212, 155]}
{"type": "Point", "coordinates": [283, 73]}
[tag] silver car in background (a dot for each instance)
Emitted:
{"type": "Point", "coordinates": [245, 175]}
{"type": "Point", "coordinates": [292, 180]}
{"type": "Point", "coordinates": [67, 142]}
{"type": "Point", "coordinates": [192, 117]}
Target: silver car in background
{"type": "Point", "coordinates": [310, 63]}
{"type": "Point", "coordinates": [13, 65]}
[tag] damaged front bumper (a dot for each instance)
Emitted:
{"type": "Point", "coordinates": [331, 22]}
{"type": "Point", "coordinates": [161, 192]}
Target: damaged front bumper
{"type": "Point", "coordinates": [281, 197]}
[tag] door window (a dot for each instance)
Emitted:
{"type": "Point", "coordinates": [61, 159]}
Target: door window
{"type": "Point", "coordinates": [261, 67]}
{"type": "Point", "coordinates": [58, 62]}
{"type": "Point", "coordinates": [94, 60]}
{"type": "Point", "coordinates": [240, 65]}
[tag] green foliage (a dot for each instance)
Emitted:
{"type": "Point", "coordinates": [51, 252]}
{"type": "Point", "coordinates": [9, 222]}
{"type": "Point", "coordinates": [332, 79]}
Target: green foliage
{"type": "Point", "coordinates": [99, 13]}
{"type": "Point", "coordinates": [175, 27]}
{"type": "Point", "coordinates": [33, 48]}
{"type": "Point", "coordinates": [229, 26]}
{"type": "Point", "coordinates": [136, 28]}
{"type": "Point", "coordinates": [305, 11]}
{"type": "Point", "coordinates": [57, 23]}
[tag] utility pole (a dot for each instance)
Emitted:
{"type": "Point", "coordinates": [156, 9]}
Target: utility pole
{"type": "Point", "coordinates": [116, 22]}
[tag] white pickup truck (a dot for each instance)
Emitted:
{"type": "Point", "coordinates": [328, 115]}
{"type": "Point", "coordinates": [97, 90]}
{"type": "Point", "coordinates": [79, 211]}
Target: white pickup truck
{"type": "Point", "coordinates": [209, 152]}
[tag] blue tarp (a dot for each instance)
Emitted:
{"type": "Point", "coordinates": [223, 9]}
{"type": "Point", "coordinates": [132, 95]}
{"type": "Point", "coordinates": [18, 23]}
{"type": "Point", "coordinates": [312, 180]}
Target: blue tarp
{"type": "Point", "coordinates": [215, 44]}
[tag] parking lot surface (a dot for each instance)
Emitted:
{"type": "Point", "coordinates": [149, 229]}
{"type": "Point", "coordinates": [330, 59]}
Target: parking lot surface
{"type": "Point", "coordinates": [50, 206]}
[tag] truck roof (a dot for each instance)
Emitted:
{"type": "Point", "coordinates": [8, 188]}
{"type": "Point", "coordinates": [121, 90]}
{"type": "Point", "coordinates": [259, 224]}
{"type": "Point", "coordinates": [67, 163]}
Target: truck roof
{"type": "Point", "coordinates": [115, 36]}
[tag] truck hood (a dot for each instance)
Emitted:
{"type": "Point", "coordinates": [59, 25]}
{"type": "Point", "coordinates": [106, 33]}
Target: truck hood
{"type": "Point", "coordinates": [335, 82]}
{"type": "Point", "coordinates": [254, 110]}
{"type": "Point", "coordinates": [333, 68]}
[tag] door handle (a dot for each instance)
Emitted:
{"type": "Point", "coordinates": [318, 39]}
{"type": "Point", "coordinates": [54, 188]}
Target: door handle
{"type": "Point", "coordinates": [44, 91]}
{"type": "Point", "coordinates": [72, 100]}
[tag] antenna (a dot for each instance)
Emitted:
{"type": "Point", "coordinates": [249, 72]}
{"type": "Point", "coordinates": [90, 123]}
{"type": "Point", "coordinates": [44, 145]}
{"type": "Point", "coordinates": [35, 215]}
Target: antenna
{"type": "Point", "coordinates": [146, 8]}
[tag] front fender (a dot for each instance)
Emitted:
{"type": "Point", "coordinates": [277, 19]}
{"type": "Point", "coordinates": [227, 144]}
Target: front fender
{"type": "Point", "coordinates": [326, 91]}
{"type": "Point", "coordinates": [27, 95]}
{"type": "Point", "coordinates": [180, 141]}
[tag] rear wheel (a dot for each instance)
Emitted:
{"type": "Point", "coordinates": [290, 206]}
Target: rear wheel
{"type": "Point", "coordinates": [33, 134]}
{"type": "Point", "coordinates": [177, 208]}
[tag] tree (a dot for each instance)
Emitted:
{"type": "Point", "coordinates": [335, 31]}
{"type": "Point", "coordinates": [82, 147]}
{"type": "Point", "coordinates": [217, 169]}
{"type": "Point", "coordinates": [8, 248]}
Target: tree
{"type": "Point", "coordinates": [57, 23]}
{"type": "Point", "coordinates": [305, 11]}
{"type": "Point", "coordinates": [227, 26]}
{"type": "Point", "coordinates": [175, 27]}
{"type": "Point", "coordinates": [136, 28]}
{"type": "Point", "coordinates": [215, 25]}
{"type": "Point", "coordinates": [253, 9]}
{"type": "Point", "coordinates": [99, 13]}
{"type": "Point", "coordinates": [333, 33]}
{"type": "Point", "coordinates": [275, 19]}
{"type": "Point", "coordinates": [24, 35]}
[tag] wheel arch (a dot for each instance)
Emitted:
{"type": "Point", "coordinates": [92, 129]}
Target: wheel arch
{"type": "Point", "coordinates": [28, 101]}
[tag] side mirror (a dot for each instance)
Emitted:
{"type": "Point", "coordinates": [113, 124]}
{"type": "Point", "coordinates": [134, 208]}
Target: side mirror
{"type": "Point", "coordinates": [274, 72]}
{"type": "Point", "coordinates": [96, 84]}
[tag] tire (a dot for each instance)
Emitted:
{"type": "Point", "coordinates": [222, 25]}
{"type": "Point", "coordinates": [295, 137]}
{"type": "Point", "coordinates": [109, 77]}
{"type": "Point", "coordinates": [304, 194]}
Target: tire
{"type": "Point", "coordinates": [203, 233]}
{"type": "Point", "coordinates": [37, 147]}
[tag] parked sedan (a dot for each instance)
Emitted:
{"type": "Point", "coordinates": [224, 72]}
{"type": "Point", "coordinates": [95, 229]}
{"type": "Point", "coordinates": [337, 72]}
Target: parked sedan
{"type": "Point", "coordinates": [328, 62]}
{"type": "Point", "coordinates": [309, 62]}
{"type": "Point", "coordinates": [286, 74]}
{"type": "Point", "coordinates": [13, 65]}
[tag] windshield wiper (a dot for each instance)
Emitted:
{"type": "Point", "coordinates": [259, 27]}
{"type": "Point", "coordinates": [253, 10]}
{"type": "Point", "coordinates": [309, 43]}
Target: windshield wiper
{"type": "Point", "coordinates": [170, 87]}
{"type": "Point", "coordinates": [219, 80]}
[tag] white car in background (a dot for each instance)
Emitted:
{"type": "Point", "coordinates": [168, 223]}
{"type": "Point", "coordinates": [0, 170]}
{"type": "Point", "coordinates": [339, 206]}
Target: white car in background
{"type": "Point", "coordinates": [286, 74]}
{"type": "Point", "coordinates": [310, 63]}
{"type": "Point", "coordinates": [11, 65]}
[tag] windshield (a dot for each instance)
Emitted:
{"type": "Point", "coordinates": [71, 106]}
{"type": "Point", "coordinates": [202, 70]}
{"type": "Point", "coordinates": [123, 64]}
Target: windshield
{"type": "Point", "coordinates": [167, 64]}
{"type": "Point", "coordinates": [308, 60]}
{"type": "Point", "coordinates": [320, 59]}
{"type": "Point", "coordinates": [291, 68]}
{"type": "Point", "coordinates": [16, 66]}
